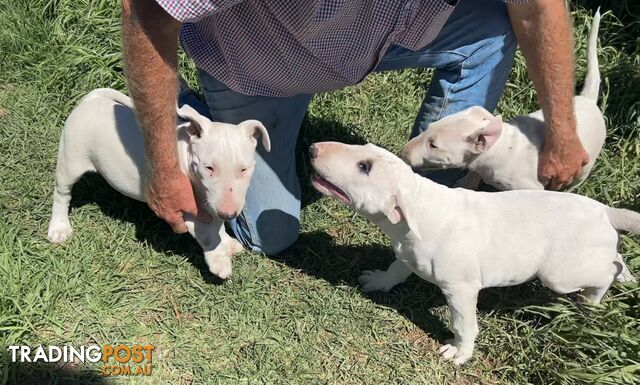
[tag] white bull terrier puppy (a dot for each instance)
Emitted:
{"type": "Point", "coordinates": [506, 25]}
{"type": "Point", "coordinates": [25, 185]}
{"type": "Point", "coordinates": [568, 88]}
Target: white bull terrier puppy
{"type": "Point", "coordinates": [463, 240]}
{"type": "Point", "coordinates": [102, 135]}
{"type": "Point", "coordinates": [505, 155]}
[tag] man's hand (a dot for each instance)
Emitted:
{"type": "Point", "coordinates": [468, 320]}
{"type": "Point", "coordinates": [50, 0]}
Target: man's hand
{"type": "Point", "coordinates": [172, 196]}
{"type": "Point", "coordinates": [543, 30]}
{"type": "Point", "coordinates": [561, 161]}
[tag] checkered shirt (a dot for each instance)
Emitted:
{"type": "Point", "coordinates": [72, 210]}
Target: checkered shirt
{"type": "Point", "coordinates": [287, 47]}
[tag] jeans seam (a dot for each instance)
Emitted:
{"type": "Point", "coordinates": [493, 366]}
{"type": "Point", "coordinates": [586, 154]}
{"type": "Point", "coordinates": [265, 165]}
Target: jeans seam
{"type": "Point", "coordinates": [446, 95]}
{"type": "Point", "coordinates": [250, 227]}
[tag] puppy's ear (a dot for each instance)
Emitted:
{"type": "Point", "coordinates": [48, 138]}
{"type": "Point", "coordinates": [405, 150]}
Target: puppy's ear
{"type": "Point", "coordinates": [193, 124]}
{"type": "Point", "coordinates": [479, 113]}
{"type": "Point", "coordinates": [485, 137]}
{"type": "Point", "coordinates": [397, 212]}
{"type": "Point", "coordinates": [255, 130]}
{"type": "Point", "coordinates": [394, 212]}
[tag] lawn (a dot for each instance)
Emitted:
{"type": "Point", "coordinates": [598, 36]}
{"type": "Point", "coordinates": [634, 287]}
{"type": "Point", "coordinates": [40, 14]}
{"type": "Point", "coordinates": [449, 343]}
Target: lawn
{"type": "Point", "coordinates": [300, 317]}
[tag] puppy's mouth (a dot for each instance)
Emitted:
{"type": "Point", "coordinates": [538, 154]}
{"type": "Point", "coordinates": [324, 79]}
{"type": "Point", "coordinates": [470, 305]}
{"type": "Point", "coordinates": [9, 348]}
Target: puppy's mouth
{"type": "Point", "coordinates": [327, 188]}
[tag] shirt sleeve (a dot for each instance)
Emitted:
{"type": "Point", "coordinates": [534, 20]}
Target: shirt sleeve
{"type": "Point", "coordinates": [194, 10]}
{"type": "Point", "coordinates": [516, 1]}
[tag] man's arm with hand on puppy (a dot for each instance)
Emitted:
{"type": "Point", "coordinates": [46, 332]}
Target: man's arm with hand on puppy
{"type": "Point", "coordinates": [543, 30]}
{"type": "Point", "coordinates": [150, 45]}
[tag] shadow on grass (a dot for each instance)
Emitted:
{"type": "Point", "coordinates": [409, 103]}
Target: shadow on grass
{"type": "Point", "coordinates": [623, 105]}
{"type": "Point", "coordinates": [49, 374]}
{"type": "Point", "coordinates": [633, 205]}
{"type": "Point", "coordinates": [149, 229]}
{"type": "Point", "coordinates": [316, 254]}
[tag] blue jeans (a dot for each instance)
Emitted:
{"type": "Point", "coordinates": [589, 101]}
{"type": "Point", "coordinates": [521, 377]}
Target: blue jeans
{"type": "Point", "coordinates": [472, 55]}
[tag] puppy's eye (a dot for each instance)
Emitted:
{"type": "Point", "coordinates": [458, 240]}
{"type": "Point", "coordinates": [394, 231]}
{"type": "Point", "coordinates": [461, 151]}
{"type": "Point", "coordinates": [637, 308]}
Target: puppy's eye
{"type": "Point", "coordinates": [211, 169]}
{"type": "Point", "coordinates": [432, 144]}
{"type": "Point", "coordinates": [364, 166]}
{"type": "Point", "coordinates": [244, 169]}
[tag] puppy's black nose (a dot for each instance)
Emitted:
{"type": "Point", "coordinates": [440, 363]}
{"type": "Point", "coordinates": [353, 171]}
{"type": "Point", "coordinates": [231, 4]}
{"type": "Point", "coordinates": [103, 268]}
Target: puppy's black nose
{"type": "Point", "coordinates": [313, 151]}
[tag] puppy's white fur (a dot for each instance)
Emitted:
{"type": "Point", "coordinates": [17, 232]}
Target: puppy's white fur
{"type": "Point", "coordinates": [505, 155]}
{"type": "Point", "coordinates": [463, 240]}
{"type": "Point", "coordinates": [102, 135]}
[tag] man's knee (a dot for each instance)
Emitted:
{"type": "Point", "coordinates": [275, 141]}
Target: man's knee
{"type": "Point", "coordinates": [277, 231]}
{"type": "Point", "coordinates": [271, 233]}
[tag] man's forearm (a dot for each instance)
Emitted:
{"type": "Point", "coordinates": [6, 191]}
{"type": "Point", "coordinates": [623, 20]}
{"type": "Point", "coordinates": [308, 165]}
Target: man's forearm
{"type": "Point", "coordinates": [149, 39]}
{"type": "Point", "coordinates": [544, 32]}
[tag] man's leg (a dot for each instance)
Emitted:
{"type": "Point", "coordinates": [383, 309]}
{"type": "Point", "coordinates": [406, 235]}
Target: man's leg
{"type": "Point", "coordinates": [270, 221]}
{"type": "Point", "coordinates": [472, 55]}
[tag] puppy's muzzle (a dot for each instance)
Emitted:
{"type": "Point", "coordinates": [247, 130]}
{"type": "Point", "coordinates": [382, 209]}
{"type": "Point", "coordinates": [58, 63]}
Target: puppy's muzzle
{"type": "Point", "coordinates": [227, 216]}
{"type": "Point", "coordinates": [406, 154]}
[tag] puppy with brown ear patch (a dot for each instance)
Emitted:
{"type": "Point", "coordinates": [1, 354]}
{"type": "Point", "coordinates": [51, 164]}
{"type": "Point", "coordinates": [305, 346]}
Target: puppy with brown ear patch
{"type": "Point", "coordinates": [505, 154]}
{"type": "Point", "coordinates": [464, 241]}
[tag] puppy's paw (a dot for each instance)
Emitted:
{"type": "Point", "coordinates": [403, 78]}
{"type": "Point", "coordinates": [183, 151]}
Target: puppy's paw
{"type": "Point", "coordinates": [219, 265]}
{"type": "Point", "coordinates": [375, 280]}
{"type": "Point", "coordinates": [233, 246]}
{"type": "Point", "coordinates": [59, 232]}
{"type": "Point", "coordinates": [625, 275]}
{"type": "Point", "coordinates": [459, 355]}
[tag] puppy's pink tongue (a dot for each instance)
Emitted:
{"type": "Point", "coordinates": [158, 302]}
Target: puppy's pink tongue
{"type": "Point", "coordinates": [328, 188]}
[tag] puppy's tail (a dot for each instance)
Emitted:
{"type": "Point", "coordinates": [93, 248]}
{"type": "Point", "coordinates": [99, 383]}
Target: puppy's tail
{"type": "Point", "coordinates": [592, 80]}
{"type": "Point", "coordinates": [623, 219]}
{"type": "Point", "coordinates": [109, 94]}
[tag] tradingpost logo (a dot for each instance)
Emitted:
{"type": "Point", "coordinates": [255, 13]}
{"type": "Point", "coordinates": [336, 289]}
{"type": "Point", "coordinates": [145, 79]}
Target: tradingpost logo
{"type": "Point", "coordinates": [118, 360]}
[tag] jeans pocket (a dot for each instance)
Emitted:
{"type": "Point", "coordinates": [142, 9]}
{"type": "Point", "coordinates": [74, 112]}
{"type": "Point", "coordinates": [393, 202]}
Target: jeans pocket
{"type": "Point", "coordinates": [210, 84]}
{"type": "Point", "coordinates": [220, 97]}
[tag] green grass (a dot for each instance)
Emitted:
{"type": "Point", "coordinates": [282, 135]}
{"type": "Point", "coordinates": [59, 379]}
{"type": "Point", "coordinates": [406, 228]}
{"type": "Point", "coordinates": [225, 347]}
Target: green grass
{"type": "Point", "coordinates": [298, 318]}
